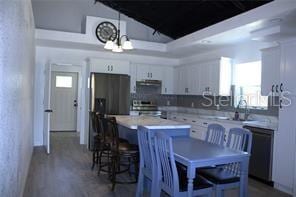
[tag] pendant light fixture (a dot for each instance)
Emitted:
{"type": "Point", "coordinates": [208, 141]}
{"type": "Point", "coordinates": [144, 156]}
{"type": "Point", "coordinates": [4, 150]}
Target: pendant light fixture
{"type": "Point", "coordinates": [119, 44]}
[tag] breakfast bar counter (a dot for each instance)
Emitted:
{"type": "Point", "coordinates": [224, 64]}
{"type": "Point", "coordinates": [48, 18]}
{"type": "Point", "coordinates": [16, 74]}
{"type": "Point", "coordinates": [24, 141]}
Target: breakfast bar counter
{"type": "Point", "coordinates": [128, 125]}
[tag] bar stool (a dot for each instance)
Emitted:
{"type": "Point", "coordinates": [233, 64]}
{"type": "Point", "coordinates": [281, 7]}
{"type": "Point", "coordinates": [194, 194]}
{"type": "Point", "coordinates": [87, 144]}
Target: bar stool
{"type": "Point", "coordinates": [105, 148]}
{"type": "Point", "coordinates": [122, 155]}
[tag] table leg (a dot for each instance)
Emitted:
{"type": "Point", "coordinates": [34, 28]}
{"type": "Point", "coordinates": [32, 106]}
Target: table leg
{"type": "Point", "coordinates": [244, 178]}
{"type": "Point", "coordinates": [190, 176]}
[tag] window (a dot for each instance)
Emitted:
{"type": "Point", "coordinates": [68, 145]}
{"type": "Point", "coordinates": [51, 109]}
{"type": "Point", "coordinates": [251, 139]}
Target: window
{"type": "Point", "coordinates": [247, 81]}
{"type": "Point", "coordinates": [63, 81]}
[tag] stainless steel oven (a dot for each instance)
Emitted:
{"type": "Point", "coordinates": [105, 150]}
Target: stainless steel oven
{"type": "Point", "coordinates": [147, 108]}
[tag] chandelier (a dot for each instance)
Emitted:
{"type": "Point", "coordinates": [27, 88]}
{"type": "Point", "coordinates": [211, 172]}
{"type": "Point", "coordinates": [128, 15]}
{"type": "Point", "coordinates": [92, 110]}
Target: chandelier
{"type": "Point", "coordinates": [121, 43]}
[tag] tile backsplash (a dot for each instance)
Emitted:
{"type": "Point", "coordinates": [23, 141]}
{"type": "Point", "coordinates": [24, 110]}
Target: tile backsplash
{"type": "Point", "coordinates": [200, 102]}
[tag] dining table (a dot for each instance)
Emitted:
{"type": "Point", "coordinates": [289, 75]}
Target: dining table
{"type": "Point", "coordinates": [195, 153]}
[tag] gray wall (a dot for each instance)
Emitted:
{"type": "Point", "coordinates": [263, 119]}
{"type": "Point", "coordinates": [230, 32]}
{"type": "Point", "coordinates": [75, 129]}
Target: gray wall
{"type": "Point", "coordinates": [16, 94]}
{"type": "Point", "coordinates": [70, 15]}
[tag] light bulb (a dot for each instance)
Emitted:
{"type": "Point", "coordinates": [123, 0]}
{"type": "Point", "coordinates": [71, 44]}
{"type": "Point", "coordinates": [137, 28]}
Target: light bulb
{"type": "Point", "coordinates": [117, 49]}
{"type": "Point", "coordinates": [109, 45]}
{"type": "Point", "coordinates": [127, 45]}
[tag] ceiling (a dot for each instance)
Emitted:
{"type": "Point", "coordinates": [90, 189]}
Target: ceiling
{"type": "Point", "coordinates": [179, 18]}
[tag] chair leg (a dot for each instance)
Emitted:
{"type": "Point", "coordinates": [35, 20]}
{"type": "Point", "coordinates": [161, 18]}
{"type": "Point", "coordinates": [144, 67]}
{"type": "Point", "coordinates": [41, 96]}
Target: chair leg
{"type": "Point", "coordinates": [113, 171]}
{"type": "Point", "coordinates": [95, 159]}
{"type": "Point", "coordinates": [100, 161]}
{"type": "Point", "coordinates": [136, 164]}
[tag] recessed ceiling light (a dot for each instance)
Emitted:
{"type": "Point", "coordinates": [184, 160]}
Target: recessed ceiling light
{"type": "Point", "coordinates": [205, 41]}
{"type": "Point", "coordinates": [276, 20]}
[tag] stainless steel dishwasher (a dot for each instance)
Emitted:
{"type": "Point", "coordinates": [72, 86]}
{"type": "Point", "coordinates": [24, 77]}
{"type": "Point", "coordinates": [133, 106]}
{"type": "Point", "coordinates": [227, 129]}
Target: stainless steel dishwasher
{"type": "Point", "coordinates": [260, 165]}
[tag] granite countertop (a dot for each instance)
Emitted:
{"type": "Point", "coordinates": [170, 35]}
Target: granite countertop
{"type": "Point", "coordinates": [253, 123]}
{"type": "Point", "coordinates": [132, 122]}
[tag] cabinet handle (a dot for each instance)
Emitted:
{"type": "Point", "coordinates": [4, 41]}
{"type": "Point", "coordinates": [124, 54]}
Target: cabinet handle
{"type": "Point", "coordinates": [205, 123]}
{"type": "Point", "coordinates": [193, 121]}
{"type": "Point", "coordinates": [134, 88]}
{"type": "Point", "coordinates": [184, 119]}
{"type": "Point", "coordinates": [148, 75]}
{"type": "Point", "coordinates": [281, 106]}
{"type": "Point", "coordinates": [281, 87]}
{"type": "Point", "coordinates": [272, 88]}
{"type": "Point", "coordinates": [111, 68]}
{"type": "Point", "coordinates": [108, 68]}
{"type": "Point", "coordinates": [165, 90]}
{"type": "Point", "coordinates": [277, 88]}
{"type": "Point", "coordinates": [193, 131]}
{"type": "Point", "coordinates": [151, 75]}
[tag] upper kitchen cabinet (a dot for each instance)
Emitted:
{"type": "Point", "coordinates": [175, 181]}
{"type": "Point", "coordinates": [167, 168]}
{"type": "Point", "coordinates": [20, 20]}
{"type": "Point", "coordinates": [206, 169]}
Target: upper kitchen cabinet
{"type": "Point", "coordinates": [270, 74]}
{"type": "Point", "coordinates": [133, 74]}
{"type": "Point", "coordinates": [210, 78]}
{"type": "Point", "coordinates": [149, 72]}
{"type": "Point", "coordinates": [215, 77]}
{"type": "Point", "coordinates": [168, 81]}
{"type": "Point", "coordinates": [183, 80]}
{"type": "Point", "coordinates": [109, 66]}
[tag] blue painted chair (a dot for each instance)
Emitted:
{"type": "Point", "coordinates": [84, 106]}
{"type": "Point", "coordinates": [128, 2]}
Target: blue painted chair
{"type": "Point", "coordinates": [215, 134]}
{"type": "Point", "coordinates": [172, 181]}
{"type": "Point", "coordinates": [147, 161]}
{"type": "Point", "coordinates": [228, 176]}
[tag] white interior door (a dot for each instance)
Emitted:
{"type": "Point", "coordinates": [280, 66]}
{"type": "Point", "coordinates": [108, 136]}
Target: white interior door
{"type": "Point", "coordinates": [47, 108]}
{"type": "Point", "coordinates": [64, 101]}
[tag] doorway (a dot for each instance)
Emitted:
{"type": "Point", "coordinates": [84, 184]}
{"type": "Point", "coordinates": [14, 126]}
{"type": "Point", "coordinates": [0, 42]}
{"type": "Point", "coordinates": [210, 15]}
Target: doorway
{"type": "Point", "coordinates": [64, 101]}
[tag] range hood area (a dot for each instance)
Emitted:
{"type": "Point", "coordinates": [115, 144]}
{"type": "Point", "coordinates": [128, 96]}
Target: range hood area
{"type": "Point", "coordinates": [148, 82]}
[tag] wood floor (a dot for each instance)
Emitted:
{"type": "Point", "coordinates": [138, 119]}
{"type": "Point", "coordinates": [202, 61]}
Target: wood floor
{"type": "Point", "coordinates": [66, 172]}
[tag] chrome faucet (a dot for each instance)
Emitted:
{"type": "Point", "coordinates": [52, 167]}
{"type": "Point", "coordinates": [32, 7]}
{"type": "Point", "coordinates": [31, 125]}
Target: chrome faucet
{"type": "Point", "coordinates": [247, 112]}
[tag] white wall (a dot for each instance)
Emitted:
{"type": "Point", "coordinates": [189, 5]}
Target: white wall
{"type": "Point", "coordinates": [69, 16]}
{"type": "Point", "coordinates": [76, 57]}
{"type": "Point", "coordinates": [16, 94]}
{"type": "Point", "coordinates": [240, 53]}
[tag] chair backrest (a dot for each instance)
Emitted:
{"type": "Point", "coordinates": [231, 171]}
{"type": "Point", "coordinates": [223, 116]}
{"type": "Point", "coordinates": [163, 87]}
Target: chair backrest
{"type": "Point", "coordinates": [166, 163]}
{"type": "Point", "coordinates": [94, 122]}
{"type": "Point", "coordinates": [238, 139]}
{"type": "Point", "coordinates": [147, 152]}
{"type": "Point", "coordinates": [215, 134]}
{"type": "Point", "coordinates": [111, 131]}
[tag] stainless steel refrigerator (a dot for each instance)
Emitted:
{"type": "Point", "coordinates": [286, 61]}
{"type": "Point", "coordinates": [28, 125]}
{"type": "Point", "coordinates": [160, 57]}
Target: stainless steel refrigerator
{"type": "Point", "coordinates": [109, 94]}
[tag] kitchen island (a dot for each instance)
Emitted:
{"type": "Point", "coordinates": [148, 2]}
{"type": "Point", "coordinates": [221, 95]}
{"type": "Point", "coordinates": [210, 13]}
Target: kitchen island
{"type": "Point", "coordinates": [127, 126]}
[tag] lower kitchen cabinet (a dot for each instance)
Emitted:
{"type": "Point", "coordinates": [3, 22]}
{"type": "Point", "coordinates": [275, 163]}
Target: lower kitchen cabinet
{"type": "Point", "coordinates": [198, 132]}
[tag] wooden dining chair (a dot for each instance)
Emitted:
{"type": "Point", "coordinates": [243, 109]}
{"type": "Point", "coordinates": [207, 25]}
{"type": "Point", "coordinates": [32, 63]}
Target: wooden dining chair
{"type": "Point", "coordinates": [148, 165]}
{"type": "Point", "coordinates": [215, 134]}
{"type": "Point", "coordinates": [172, 181]}
{"type": "Point", "coordinates": [228, 176]}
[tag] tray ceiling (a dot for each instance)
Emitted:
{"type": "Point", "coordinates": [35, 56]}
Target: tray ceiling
{"type": "Point", "coordinates": [179, 18]}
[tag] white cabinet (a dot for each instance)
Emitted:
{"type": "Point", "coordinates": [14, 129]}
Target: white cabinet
{"type": "Point", "coordinates": [156, 72]}
{"type": "Point", "coordinates": [270, 73]}
{"type": "Point", "coordinates": [211, 77]}
{"type": "Point", "coordinates": [284, 140]}
{"type": "Point", "coordinates": [109, 66]}
{"type": "Point", "coordinates": [215, 77]}
{"type": "Point", "coordinates": [198, 132]}
{"type": "Point", "coordinates": [168, 81]}
{"type": "Point", "coordinates": [183, 80]}
{"type": "Point", "coordinates": [149, 72]}
{"type": "Point", "coordinates": [133, 74]}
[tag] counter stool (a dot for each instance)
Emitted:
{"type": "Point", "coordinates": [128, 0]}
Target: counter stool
{"type": "Point", "coordinates": [122, 155]}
